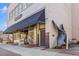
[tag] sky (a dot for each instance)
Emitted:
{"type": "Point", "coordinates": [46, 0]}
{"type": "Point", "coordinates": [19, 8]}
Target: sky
{"type": "Point", "coordinates": [3, 16]}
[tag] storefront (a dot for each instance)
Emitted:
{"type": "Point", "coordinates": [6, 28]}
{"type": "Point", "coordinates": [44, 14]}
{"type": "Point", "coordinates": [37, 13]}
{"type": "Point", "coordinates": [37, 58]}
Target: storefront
{"type": "Point", "coordinates": [37, 33]}
{"type": "Point", "coordinates": [30, 30]}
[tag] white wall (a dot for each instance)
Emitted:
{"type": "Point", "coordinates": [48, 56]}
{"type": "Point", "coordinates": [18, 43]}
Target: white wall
{"type": "Point", "coordinates": [61, 14]}
{"type": "Point", "coordinates": [75, 20]}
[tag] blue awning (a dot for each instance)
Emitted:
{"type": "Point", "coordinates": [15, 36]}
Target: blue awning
{"type": "Point", "coordinates": [32, 20]}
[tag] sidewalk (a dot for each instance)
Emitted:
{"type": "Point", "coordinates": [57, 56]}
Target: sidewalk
{"type": "Point", "coordinates": [4, 52]}
{"type": "Point", "coordinates": [31, 51]}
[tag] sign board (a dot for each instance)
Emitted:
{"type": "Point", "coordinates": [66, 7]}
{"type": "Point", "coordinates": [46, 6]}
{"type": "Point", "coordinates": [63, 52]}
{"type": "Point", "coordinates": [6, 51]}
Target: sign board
{"type": "Point", "coordinates": [18, 17]}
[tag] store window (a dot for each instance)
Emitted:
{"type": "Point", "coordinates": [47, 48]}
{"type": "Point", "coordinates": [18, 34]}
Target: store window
{"type": "Point", "coordinates": [19, 35]}
{"type": "Point", "coordinates": [31, 33]}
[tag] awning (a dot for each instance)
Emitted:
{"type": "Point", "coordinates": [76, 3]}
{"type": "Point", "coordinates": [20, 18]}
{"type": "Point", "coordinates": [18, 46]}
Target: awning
{"type": "Point", "coordinates": [32, 20]}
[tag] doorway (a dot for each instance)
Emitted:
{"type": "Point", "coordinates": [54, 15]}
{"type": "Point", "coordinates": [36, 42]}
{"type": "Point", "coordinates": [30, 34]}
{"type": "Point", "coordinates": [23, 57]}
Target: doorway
{"type": "Point", "coordinates": [42, 37]}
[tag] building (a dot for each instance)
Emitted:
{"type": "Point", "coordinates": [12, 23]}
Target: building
{"type": "Point", "coordinates": [34, 20]}
{"type": "Point", "coordinates": [3, 37]}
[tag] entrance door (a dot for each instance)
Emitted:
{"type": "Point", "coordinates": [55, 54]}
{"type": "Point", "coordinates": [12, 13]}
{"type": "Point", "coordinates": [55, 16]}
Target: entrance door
{"type": "Point", "coordinates": [42, 37]}
{"type": "Point", "coordinates": [25, 37]}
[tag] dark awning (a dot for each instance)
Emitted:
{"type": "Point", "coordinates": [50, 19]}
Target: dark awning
{"type": "Point", "coordinates": [32, 20]}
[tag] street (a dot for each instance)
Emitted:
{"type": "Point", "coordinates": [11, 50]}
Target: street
{"type": "Point", "coordinates": [13, 50]}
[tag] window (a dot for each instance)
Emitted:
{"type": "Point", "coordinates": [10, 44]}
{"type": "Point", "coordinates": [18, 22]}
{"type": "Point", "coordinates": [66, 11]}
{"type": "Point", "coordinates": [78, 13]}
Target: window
{"type": "Point", "coordinates": [18, 9]}
{"type": "Point", "coordinates": [15, 12]}
{"type": "Point", "coordinates": [10, 16]}
{"type": "Point", "coordinates": [21, 7]}
{"type": "Point", "coordinates": [24, 6]}
{"type": "Point", "coordinates": [29, 4]}
{"type": "Point", "coordinates": [31, 32]}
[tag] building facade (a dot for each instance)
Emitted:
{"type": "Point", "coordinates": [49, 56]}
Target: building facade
{"type": "Point", "coordinates": [38, 18]}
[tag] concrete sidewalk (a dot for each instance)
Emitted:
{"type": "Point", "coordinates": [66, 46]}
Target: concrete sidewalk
{"type": "Point", "coordinates": [4, 52]}
{"type": "Point", "coordinates": [31, 51]}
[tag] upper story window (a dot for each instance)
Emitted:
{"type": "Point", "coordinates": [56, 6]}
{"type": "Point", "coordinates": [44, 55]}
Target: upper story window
{"type": "Point", "coordinates": [16, 12]}
{"type": "Point", "coordinates": [18, 9]}
{"type": "Point", "coordinates": [12, 15]}
{"type": "Point", "coordinates": [24, 6]}
{"type": "Point", "coordinates": [29, 4]}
